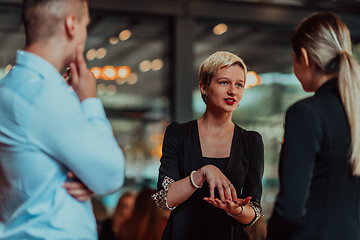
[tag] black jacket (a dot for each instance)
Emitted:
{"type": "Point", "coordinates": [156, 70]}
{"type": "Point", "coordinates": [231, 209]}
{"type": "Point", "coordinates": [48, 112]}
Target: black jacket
{"type": "Point", "coordinates": [319, 196]}
{"type": "Point", "coordinates": [195, 218]}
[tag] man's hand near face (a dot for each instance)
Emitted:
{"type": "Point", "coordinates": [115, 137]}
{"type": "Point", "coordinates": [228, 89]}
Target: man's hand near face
{"type": "Point", "coordinates": [82, 80]}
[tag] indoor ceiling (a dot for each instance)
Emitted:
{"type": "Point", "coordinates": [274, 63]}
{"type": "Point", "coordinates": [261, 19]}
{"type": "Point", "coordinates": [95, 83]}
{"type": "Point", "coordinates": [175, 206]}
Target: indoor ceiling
{"type": "Point", "coordinates": [260, 37]}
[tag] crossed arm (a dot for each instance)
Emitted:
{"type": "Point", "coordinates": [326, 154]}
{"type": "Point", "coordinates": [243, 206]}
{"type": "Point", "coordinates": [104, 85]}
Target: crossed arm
{"type": "Point", "coordinates": [84, 85]}
{"type": "Point", "coordinates": [77, 189]}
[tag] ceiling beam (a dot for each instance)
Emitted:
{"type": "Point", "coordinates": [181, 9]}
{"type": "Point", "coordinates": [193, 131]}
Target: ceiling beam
{"type": "Point", "coordinates": [245, 12]}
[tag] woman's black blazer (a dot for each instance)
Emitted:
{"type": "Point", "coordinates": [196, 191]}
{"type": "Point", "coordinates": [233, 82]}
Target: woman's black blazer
{"type": "Point", "coordinates": [195, 218]}
{"type": "Point", "coordinates": [319, 197]}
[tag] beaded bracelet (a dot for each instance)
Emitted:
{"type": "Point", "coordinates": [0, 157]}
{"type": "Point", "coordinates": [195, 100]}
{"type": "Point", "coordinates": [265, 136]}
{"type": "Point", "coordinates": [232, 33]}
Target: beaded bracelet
{"type": "Point", "coordinates": [242, 210]}
{"type": "Point", "coordinates": [192, 180]}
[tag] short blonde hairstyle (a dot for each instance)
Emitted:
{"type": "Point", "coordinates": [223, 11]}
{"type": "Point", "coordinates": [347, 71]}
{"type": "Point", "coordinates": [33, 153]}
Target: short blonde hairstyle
{"type": "Point", "coordinates": [212, 65]}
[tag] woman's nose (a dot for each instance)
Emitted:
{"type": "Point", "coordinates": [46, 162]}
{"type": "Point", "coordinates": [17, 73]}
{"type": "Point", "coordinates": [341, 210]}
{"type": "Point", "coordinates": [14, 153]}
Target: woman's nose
{"type": "Point", "coordinates": [231, 90]}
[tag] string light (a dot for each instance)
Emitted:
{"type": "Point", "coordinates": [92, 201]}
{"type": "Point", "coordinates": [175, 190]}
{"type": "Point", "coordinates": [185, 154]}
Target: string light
{"type": "Point", "coordinates": [91, 54]}
{"type": "Point", "coordinates": [101, 88]}
{"type": "Point", "coordinates": [123, 72]}
{"type": "Point", "coordinates": [100, 53]}
{"type": "Point", "coordinates": [111, 89]}
{"type": "Point", "coordinates": [145, 66]}
{"type": "Point", "coordinates": [220, 29]}
{"type": "Point", "coordinates": [109, 73]}
{"type": "Point", "coordinates": [125, 35]}
{"type": "Point", "coordinates": [120, 81]}
{"type": "Point", "coordinates": [113, 40]}
{"type": "Point", "coordinates": [132, 79]}
{"type": "Point", "coordinates": [156, 64]}
{"type": "Point", "coordinates": [252, 79]}
{"type": "Point", "coordinates": [96, 71]}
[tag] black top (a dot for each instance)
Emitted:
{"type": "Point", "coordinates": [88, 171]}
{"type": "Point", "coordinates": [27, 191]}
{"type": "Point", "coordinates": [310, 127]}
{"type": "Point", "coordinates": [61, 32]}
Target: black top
{"type": "Point", "coordinates": [195, 218]}
{"type": "Point", "coordinates": [220, 163]}
{"type": "Point", "coordinates": [319, 197]}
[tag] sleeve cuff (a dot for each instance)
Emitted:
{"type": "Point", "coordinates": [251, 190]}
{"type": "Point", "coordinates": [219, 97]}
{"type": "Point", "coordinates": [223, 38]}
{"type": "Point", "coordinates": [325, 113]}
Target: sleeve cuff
{"type": "Point", "coordinates": [257, 208]}
{"type": "Point", "coordinates": [160, 197]}
{"type": "Point", "coordinates": [93, 108]}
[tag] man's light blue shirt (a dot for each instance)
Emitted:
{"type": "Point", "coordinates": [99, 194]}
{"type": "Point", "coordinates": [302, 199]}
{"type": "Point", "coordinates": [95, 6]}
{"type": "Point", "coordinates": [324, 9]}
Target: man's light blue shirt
{"type": "Point", "coordinates": [45, 131]}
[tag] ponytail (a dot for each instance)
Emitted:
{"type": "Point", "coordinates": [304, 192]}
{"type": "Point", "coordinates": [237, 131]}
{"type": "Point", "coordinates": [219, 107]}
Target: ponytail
{"type": "Point", "coordinates": [328, 42]}
{"type": "Point", "coordinates": [349, 87]}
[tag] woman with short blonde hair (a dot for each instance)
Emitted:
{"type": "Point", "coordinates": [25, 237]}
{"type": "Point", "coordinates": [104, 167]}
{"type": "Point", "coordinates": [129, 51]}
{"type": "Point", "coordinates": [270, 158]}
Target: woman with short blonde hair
{"type": "Point", "coordinates": [211, 169]}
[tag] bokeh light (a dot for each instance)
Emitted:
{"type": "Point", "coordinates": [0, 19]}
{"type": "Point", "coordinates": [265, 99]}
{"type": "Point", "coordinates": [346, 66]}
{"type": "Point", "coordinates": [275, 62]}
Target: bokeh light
{"type": "Point", "coordinates": [91, 54]}
{"type": "Point", "coordinates": [145, 66]}
{"type": "Point", "coordinates": [156, 64]}
{"type": "Point", "coordinates": [113, 40]}
{"type": "Point", "coordinates": [220, 29]}
{"type": "Point", "coordinates": [109, 73]}
{"type": "Point", "coordinates": [100, 53]}
{"type": "Point", "coordinates": [123, 72]}
{"type": "Point", "coordinates": [111, 89]}
{"type": "Point", "coordinates": [132, 79]}
{"type": "Point", "coordinates": [120, 81]}
{"type": "Point", "coordinates": [125, 35]}
{"type": "Point", "coordinates": [96, 71]}
{"type": "Point", "coordinates": [101, 88]}
{"type": "Point", "coordinates": [252, 79]}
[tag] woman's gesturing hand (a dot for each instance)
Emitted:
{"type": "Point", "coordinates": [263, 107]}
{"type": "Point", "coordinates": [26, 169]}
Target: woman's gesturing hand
{"type": "Point", "coordinates": [216, 179]}
{"type": "Point", "coordinates": [231, 207]}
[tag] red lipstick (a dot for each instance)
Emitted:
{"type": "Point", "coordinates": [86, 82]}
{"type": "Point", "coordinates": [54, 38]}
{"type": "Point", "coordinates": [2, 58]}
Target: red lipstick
{"type": "Point", "coordinates": [230, 101]}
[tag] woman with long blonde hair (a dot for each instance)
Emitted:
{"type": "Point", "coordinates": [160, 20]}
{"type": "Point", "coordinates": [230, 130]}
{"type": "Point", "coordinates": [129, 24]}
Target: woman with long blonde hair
{"type": "Point", "coordinates": [320, 158]}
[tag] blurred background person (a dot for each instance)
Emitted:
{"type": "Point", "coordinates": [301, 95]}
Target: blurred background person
{"type": "Point", "coordinates": [147, 221]}
{"type": "Point", "coordinates": [258, 230]}
{"type": "Point", "coordinates": [112, 226]}
{"type": "Point", "coordinates": [100, 212]}
{"type": "Point", "coordinates": [320, 157]}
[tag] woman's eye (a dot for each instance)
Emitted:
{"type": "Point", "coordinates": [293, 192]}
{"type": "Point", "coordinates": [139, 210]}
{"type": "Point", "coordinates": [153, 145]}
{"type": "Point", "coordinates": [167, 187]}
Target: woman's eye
{"type": "Point", "coordinates": [222, 82]}
{"type": "Point", "coordinates": [240, 85]}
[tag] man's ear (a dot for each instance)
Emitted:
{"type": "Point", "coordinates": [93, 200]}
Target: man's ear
{"type": "Point", "coordinates": [305, 56]}
{"type": "Point", "coordinates": [70, 25]}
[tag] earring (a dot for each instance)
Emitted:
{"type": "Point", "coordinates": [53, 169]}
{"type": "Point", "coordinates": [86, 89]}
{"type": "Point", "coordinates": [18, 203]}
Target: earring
{"type": "Point", "coordinates": [205, 98]}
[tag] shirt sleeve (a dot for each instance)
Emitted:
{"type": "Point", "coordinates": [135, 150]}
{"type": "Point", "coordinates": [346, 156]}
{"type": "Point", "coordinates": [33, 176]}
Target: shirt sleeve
{"type": "Point", "coordinates": [253, 181]}
{"type": "Point", "coordinates": [79, 136]}
{"type": "Point", "coordinates": [302, 139]}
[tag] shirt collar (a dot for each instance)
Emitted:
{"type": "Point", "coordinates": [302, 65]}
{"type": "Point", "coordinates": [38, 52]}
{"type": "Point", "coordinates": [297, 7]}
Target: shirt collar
{"type": "Point", "coordinates": [45, 69]}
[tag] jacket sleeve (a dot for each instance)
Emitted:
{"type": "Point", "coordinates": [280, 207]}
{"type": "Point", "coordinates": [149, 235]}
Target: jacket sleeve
{"type": "Point", "coordinates": [302, 140]}
{"type": "Point", "coordinates": [169, 168]}
{"type": "Point", "coordinates": [170, 155]}
{"type": "Point", "coordinates": [253, 181]}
